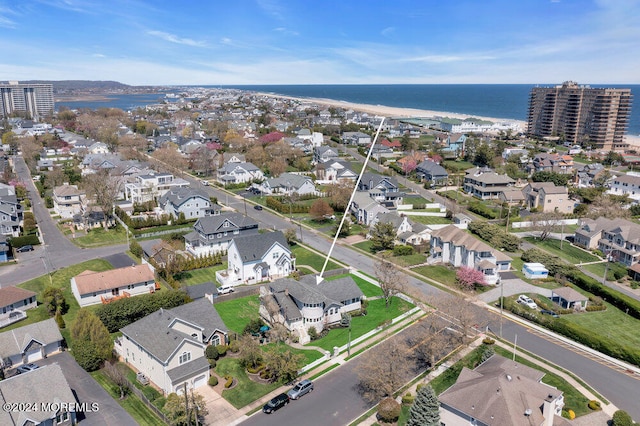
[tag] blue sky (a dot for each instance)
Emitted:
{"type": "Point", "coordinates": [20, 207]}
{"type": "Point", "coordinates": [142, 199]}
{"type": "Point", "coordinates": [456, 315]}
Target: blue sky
{"type": "Point", "coordinates": [148, 42]}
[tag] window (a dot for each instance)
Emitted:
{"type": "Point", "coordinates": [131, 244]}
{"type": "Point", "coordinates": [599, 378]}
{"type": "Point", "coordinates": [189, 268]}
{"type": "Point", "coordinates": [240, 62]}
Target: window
{"type": "Point", "coordinates": [219, 235]}
{"type": "Point", "coordinates": [185, 357]}
{"type": "Point", "coordinates": [275, 255]}
{"type": "Point", "coordinates": [215, 340]}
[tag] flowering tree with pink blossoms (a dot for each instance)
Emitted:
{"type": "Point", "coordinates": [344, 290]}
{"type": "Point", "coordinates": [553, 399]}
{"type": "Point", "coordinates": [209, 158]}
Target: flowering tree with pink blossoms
{"type": "Point", "coordinates": [467, 277]}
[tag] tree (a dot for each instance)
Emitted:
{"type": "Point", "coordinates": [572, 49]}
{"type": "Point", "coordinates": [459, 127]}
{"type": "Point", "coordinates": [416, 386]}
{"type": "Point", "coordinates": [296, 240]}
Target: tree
{"type": "Point", "coordinates": [54, 301]}
{"type": "Point", "coordinates": [425, 410]}
{"type": "Point", "coordinates": [383, 236]}
{"type": "Point", "coordinates": [409, 166]}
{"type": "Point", "coordinates": [320, 210]}
{"type": "Point", "coordinates": [89, 332]}
{"type": "Point", "coordinates": [468, 277]}
{"type": "Point", "coordinates": [339, 195]}
{"type": "Point", "coordinates": [558, 179]}
{"type": "Point", "coordinates": [290, 235]}
{"type": "Point", "coordinates": [607, 206]}
{"type": "Point", "coordinates": [389, 410]}
{"type": "Point", "coordinates": [484, 155]}
{"type": "Point", "coordinates": [390, 279]}
{"type": "Point", "coordinates": [613, 159]}
{"type": "Point", "coordinates": [250, 352]}
{"type": "Point", "coordinates": [383, 371]}
{"type": "Point", "coordinates": [345, 231]}
{"type": "Point", "coordinates": [104, 189]}
{"type": "Point", "coordinates": [545, 223]}
{"type": "Point", "coordinates": [621, 418]}
{"type": "Point", "coordinates": [185, 410]}
{"type": "Point", "coordinates": [282, 365]}
{"type": "Point", "coordinates": [116, 373]}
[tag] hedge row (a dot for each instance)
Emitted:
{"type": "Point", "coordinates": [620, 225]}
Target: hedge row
{"type": "Point", "coordinates": [495, 235]}
{"type": "Point", "coordinates": [480, 208]}
{"type": "Point", "coordinates": [280, 207]}
{"type": "Point", "coordinates": [558, 267]}
{"type": "Point", "coordinates": [23, 241]}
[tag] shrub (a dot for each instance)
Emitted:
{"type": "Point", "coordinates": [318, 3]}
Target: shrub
{"type": "Point", "coordinates": [23, 241]}
{"type": "Point", "coordinates": [253, 327]}
{"type": "Point", "coordinates": [488, 341]}
{"type": "Point", "coordinates": [313, 334]}
{"type": "Point", "coordinates": [401, 250]}
{"type": "Point", "coordinates": [211, 352]}
{"type": "Point", "coordinates": [213, 380]}
{"type": "Point", "coordinates": [255, 370]}
{"type": "Point", "coordinates": [234, 346]}
{"type": "Point", "coordinates": [60, 321]}
{"type": "Point", "coordinates": [595, 308]}
{"type": "Point", "coordinates": [229, 382]}
{"type": "Point", "coordinates": [621, 418]}
{"type": "Point", "coordinates": [572, 414]}
{"type": "Point", "coordinates": [407, 399]}
{"type": "Point", "coordinates": [212, 363]}
{"type": "Point", "coordinates": [389, 410]}
{"type": "Point", "coordinates": [222, 349]}
{"type": "Point", "coordinates": [594, 405]}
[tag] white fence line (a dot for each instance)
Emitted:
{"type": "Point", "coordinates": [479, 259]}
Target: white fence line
{"type": "Point", "coordinates": [556, 222]}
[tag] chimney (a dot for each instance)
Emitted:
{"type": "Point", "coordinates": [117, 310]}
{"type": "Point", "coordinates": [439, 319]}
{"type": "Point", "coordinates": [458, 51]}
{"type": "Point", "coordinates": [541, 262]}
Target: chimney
{"type": "Point", "coordinates": [549, 410]}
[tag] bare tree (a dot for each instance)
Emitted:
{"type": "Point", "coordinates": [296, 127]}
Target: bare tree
{"type": "Point", "coordinates": [545, 223]}
{"type": "Point", "coordinates": [116, 373]}
{"type": "Point", "coordinates": [461, 315]}
{"type": "Point", "coordinates": [607, 206]}
{"type": "Point", "coordinates": [390, 279]}
{"type": "Point", "coordinates": [103, 188]}
{"type": "Point", "coordinates": [278, 332]}
{"type": "Point", "coordinates": [383, 370]}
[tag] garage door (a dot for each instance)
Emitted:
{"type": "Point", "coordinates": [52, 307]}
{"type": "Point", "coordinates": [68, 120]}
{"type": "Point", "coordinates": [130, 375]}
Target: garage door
{"type": "Point", "coordinates": [34, 355]}
{"type": "Point", "coordinates": [200, 381]}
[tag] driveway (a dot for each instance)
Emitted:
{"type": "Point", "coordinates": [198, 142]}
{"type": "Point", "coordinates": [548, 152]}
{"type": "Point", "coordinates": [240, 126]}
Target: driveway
{"type": "Point", "coordinates": [511, 287]}
{"type": "Point", "coordinates": [119, 260]}
{"type": "Point", "coordinates": [89, 391]}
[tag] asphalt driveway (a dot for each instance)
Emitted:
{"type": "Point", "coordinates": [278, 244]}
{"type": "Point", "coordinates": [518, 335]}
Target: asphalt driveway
{"type": "Point", "coordinates": [119, 260]}
{"type": "Point", "coordinates": [87, 390]}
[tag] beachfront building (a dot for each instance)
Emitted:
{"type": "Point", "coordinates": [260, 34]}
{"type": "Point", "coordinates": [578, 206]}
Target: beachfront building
{"type": "Point", "coordinates": [580, 114]}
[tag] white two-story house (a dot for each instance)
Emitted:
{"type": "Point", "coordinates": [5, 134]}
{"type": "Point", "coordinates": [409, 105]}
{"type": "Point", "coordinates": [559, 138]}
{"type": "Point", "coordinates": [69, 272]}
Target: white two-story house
{"type": "Point", "coordinates": [288, 184]}
{"type": "Point", "coordinates": [256, 258]}
{"type": "Point", "coordinates": [212, 234]}
{"type": "Point", "coordinates": [152, 186]}
{"type": "Point", "coordinates": [628, 185]}
{"type": "Point", "coordinates": [168, 346]}
{"type": "Point", "coordinates": [456, 247]}
{"type": "Point", "coordinates": [234, 173]}
{"type": "Point", "coordinates": [68, 200]}
{"type": "Point", "coordinates": [193, 203]}
{"type": "Point", "coordinates": [91, 288]}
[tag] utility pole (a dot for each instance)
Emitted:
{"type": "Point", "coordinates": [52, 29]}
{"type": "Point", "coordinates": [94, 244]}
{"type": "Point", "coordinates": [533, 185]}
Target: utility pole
{"type": "Point", "coordinates": [501, 303]}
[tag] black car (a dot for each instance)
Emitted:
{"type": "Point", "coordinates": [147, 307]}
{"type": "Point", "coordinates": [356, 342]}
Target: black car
{"type": "Point", "coordinates": [258, 207]}
{"type": "Point", "coordinates": [548, 312]}
{"type": "Point", "coordinates": [276, 403]}
{"type": "Point", "coordinates": [24, 249]}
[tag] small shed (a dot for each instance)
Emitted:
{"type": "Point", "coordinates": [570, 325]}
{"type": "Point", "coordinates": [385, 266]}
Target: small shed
{"type": "Point", "coordinates": [535, 271]}
{"type": "Point", "coordinates": [569, 298]}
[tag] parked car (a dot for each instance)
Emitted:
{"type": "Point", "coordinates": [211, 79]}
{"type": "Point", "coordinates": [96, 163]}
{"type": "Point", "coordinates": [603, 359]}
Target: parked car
{"type": "Point", "coordinates": [300, 389]}
{"type": "Point", "coordinates": [276, 403]}
{"type": "Point", "coordinates": [26, 368]}
{"type": "Point", "coordinates": [24, 249]}
{"type": "Point", "coordinates": [205, 182]}
{"type": "Point", "coordinates": [526, 300]}
{"type": "Point", "coordinates": [225, 289]}
{"type": "Point", "coordinates": [257, 207]}
{"type": "Point", "coordinates": [548, 312]}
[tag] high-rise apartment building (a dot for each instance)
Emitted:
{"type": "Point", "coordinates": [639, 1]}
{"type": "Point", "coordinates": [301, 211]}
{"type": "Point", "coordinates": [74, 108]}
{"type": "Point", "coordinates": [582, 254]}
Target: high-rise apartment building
{"type": "Point", "coordinates": [581, 115]}
{"type": "Point", "coordinates": [34, 99]}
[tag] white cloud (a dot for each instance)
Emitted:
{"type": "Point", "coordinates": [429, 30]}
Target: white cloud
{"type": "Point", "coordinates": [388, 31]}
{"type": "Point", "coordinates": [176, 39]}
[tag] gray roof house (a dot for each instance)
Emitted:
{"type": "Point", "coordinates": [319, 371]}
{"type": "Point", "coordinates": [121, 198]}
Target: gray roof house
{"type": "Point", "coordinates": [407, 231]}
{"type": "Point", "coordinates": [45, 386]}
{"type": "Point", "coordinates": [256, 258]}
{"type": "Point", "coordinates": [618, 239]}
{"type": "Point", "coordinates": [168, 345]}
{"type": "Point", "coordinates": [212, 234]}
{"type": "Point", "coordinates": [303, 304]}
{"type": "Point", "coordinates": [287, 184]}
{"type": "Point", "coordinates": [322, 154]}
{"type": "Point", "coordinates": [29, 343]}
{"type": "Point", "coordinates": [501, 392]}
{"type": "Point", "coordinates": [234, 173]}
{"type": "Point", "coordinates": [433, 172]}
{"type": "Point", "coordinates": [194, 203]}
{"type": "Point", "coordinates": [365, 208]}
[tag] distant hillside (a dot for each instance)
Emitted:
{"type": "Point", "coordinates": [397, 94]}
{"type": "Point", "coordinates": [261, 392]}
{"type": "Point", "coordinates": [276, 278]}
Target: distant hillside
{"type": "Point", "coordinates": [69, 87]}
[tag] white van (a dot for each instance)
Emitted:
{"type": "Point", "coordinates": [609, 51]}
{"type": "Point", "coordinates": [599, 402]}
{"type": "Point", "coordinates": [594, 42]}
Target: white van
{"type": "Point", "coordinates": [225, 289]}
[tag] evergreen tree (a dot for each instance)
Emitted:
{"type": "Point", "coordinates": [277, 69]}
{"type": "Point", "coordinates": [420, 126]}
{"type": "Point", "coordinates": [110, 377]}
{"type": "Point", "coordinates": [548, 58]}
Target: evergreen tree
{"type": "Point", "coordinates": [425, 410]}
{"type": "Point", "coordinates": [383, 236]}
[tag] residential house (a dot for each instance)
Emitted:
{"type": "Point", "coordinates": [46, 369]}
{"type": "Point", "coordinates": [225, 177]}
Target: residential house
{"type": "Point", "coordinates": [383, 189]}
{"type": "Point", "coordinates": [5, 250]}
{"type": "Point", "coordinates": [168, 346]}
{"type": "Point", "coordinates": [512, 196]}
{"type": "Point", "coordinates": [303, 304]}
{"type": "Point", "coordinates": [406, 230]}
{"type": "Point", "coordinates": [590, 175]}
{"type": "Point", "coordinates": [91, 288]}
{"type": "Point", "coordinates": [257, 258]}
{"type": "Point", "coordinates": [486, 184]}
{"type": "Point", "coordinates": [233, 157]}
{"type": "Point", "coordinates": [356, 138]}
{"type": "Point", "coordinates": [551, 162]}
{"type": "Point", "coordinates": [207, 290]}
{"type": "Point", "coordinates": [14, 302]}
{"type": "Point", "coordinates": [29, 343]}
{"type": "Point", "coordinates": [335, 171]}
{"type": "Point", "coordinates": [151, 186]}
{"type": "Point", "coordinates": [501, 392]}
{"type": "Point", "coordinates": [618, 239]}
{"type": "Point", "coordinates": [322, 154]}
{"type": "Point", "coordinates": [628, 184]}
{"type": "Point", "coordinates": [235, 173]}
{"type": "Point", "coordinates": [10, 212]}
{"type": "Point", "coordinates": [432, 172]}
{"type": "Point", "coordinates": [212, 234]}
{"type": "Point", "coordinates": [454, 145]}
{"type": "Point", "coordinates": [47, 388]}
{"type": "Point", "coordinates": [414, 158]}
{"type": "Point", "coordinates": [365, 208]}
{"type": "Point", "coordinates": [288, 184]}
{"type": "Point", "coordinates": [193, 203]}
{"type": "Point", "coordinates": [98, 148]}
{"type": "Point", "coordinates": [547, 197]}
{"type": "Point", "coordinates": [451, 245]}
{"type": "Point", "coordinates": [68, 200]}
{"type": "Point", "coordinates": [569, 298]}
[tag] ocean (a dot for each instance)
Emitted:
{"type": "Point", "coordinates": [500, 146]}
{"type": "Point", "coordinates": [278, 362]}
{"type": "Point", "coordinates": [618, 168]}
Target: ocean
{"type": "Point", "coordinates": [508, 101]}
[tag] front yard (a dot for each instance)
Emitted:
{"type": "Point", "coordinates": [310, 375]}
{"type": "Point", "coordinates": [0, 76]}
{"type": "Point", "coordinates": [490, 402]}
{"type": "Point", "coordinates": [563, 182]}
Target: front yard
{"type": "Point", "coordinates": [568, 252]}
{"type": "Point", "coordinates": [440, 273]}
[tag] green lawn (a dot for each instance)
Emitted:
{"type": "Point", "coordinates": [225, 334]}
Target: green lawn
{"type": "Point", "coordinates": [199, 276]}
{"type": "Point", "coordinates": [568, 252]}
{"type": "Point", "coordinates": [364, 245]}
{"type": "Point", "coordinates": [445, 380]}
{"type": "Point", "coordinates": [237, 313]}
{"type": "Point", "coordinates": [599, 268]}
{"type": "Point", "coordinates": [439, 273]}
{"type": "Point", "coordinates": [416, 201]}
{"type": "Point", "coordinates": [458, 166]}
{"type": "Point", "coordinates": [410, 260]}
{"type": "Point", "coordinates": [368, 289]}
{"type": "Point", "coordinates": [246, 391]}
{"type": "Point", "coordinates": [309, 258]}
{"type": "Point", "coordinates": [377, 314]}
{"type": "Point", "coordinates": [430, 220]}
{"type": "Point", "coordinates": [132, 404]}
{"type": "Point", "coordinates": [100, 237]}
{"type": "Point", "coordinates": [61, 279]}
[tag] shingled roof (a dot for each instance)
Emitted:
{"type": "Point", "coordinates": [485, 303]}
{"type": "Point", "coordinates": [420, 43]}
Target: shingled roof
{"type": "Point", "coordinates": [91, 282]}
